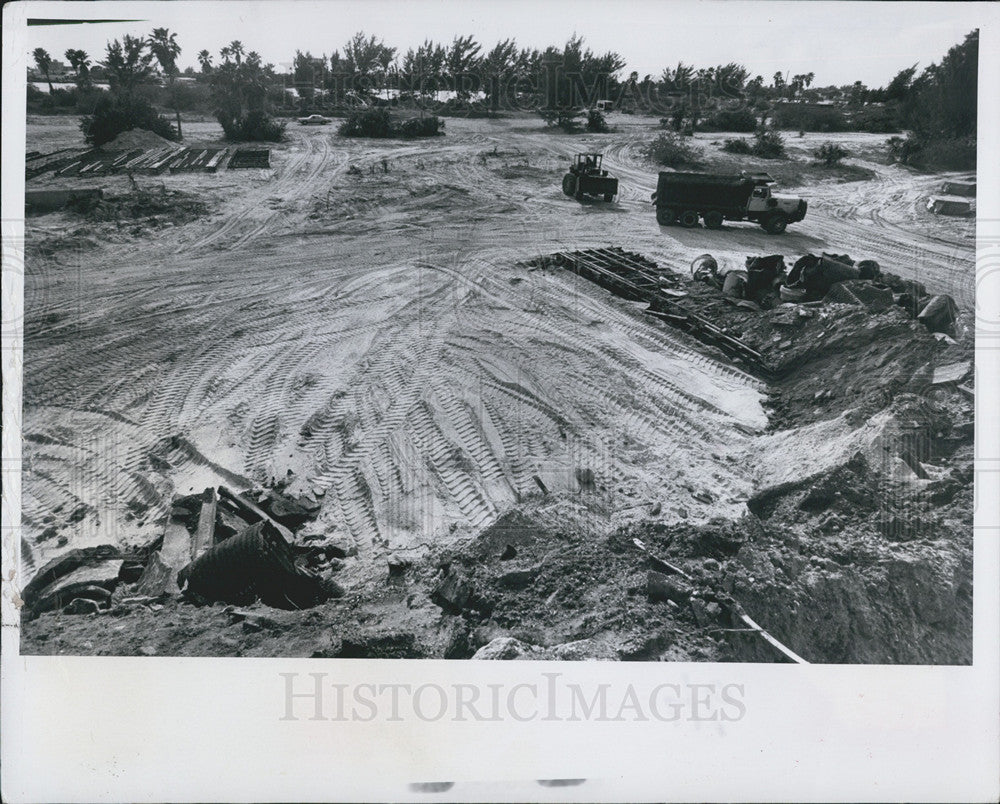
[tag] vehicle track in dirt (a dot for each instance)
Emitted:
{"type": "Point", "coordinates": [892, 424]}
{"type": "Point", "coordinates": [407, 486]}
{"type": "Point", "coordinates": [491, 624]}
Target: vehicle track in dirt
{"type": "Point", "coordinates": [389, 352]}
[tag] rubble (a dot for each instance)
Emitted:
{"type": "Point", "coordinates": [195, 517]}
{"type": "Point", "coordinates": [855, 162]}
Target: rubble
{"type": "Point", "coordinates": [257, 564]}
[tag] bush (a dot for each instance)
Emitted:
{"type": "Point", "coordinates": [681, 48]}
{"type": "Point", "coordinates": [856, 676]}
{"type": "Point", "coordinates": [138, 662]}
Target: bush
{"type": "Point", "coordinates": [742, 120]}
{"type": "Point", "coordinates": [113, 115]}
{"type": "Point", "coordinates": [566, 119]}
{"type": "Point", "coordinates": [904, 150]}
{"type": "Point", "coordinates": [670, 150]}
{"type": "Point", "coordinates": [367, 123]}
{"type": "Point", "coordinates": [952, 154]}
{"type": "Point", "coordinates": [252, 127]}
{"type": "Point", "coordinates": [86, 99]}
{"type": "Point", "coordinates": [596, 121]}
{"type": "Point", "coordinates": [949, 154]}
{"type": "Point", "coordinates": [421, 127]}
{"type": "Point", "coordinates": [876, 119]}
{"type": "Point", "coordinates": [768, 144]}
{"type": "Point", "coordinates": [803, 117]}
{"type": "Point", "coordinates": [739, 145]}
{"type": "Point", "coordinates": [830, 154]}
{"type": "Point", "coordinates": [379, 123]}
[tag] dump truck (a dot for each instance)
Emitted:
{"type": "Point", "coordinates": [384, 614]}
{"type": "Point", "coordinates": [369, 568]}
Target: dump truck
{"type": "Point", "coordinates": [686, 198]}
{"type": "Point", "coordinates": [587, 177]}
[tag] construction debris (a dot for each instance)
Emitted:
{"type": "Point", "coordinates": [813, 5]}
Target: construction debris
{"type": "Point", "coordinates": [142, 156]}
{"type": "Point", "coordinates": [257, 564]}
{"type": "Point", "coordinates": [943, 205]}
{"type": "Point", "coordinates": [962, 188]}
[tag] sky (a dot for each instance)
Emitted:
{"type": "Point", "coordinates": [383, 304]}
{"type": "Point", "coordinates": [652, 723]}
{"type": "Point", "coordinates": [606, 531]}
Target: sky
{"type": "Point", "coordinates": [841, 42]}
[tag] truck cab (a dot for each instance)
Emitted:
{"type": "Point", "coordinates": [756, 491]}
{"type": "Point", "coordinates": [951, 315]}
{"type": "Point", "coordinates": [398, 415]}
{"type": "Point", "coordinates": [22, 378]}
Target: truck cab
{"type": "Point", "coordinates": [764, 203]}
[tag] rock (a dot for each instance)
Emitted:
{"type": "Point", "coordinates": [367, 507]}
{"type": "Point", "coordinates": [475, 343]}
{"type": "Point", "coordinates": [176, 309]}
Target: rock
{"type": "Point", "coordinates": [713, 610]}
{"type": "Point", "coordinates": [286, 511]}
{"type": "Point", "coordinates": [147, 650]}
{"type": "Point", "coordinates": [398, 565]}
{"type": "Point", "coordinates": [340, 547]}
{"type": "Point", "coordinates": [82, 605]}
{"type": "Point", "coordinates": [453, 593]}
{"type": "Point", "coordinates": [899, 529]}
{"type": "Point", "coordinates": [519, 578]}
{"type": "Point", "coordinates": [506, 648]}
{"type": "Point", "coordinates": [939, 314]}
{"type": "Point", "coordinates": [509, 552]}
{"type": "Point", "coordinates": [583, 650]}
{"type": "Point", "coordinates": [667, 587]}
{"type": "Point", "coordinates": [252, 620]}
{"type": "Point", "coordinates": [711, 565]}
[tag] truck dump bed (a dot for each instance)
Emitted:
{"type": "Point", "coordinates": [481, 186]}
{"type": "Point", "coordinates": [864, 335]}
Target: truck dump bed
{"type": "Point", "coordinates": [704, 190]}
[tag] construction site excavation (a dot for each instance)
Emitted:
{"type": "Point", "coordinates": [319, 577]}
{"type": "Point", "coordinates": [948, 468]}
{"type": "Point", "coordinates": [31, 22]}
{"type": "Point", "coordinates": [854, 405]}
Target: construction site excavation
{"type": "Point", "coordinates": [506, 392]}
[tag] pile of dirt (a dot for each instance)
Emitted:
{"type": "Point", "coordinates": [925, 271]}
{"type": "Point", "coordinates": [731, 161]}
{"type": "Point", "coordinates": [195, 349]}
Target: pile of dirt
{"type": "Point", "coordinates": [156, 206]}
{"type": "Point", "coordinates": [138, 138]}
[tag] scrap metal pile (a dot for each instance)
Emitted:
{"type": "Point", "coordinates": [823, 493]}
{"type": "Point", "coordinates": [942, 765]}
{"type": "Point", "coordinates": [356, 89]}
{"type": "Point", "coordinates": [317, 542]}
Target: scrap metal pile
{"type": "Point", "coordinates": [216, 546]}
{"type": "Point", "coordinates": [763, 284]}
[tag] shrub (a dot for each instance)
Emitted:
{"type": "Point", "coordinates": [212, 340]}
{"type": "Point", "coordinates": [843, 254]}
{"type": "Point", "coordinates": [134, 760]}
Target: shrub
{"type": "Point", "coordinates": [768, 144]}
{"type": "Point", "coordinates": [253, 126]}
{"type": "Point", "coordinates": [113, 115]}
{"type": "Point", "coordinates": [670, 150]}
{"type": "Point", "coordinates": [379, 123]}
{"type": "Point", "coordinates": [876, 119]}
{"type": "Point", "coordinates": [803, 117]}
{"type": "Point", "coordinates": [367, 123]}
{"type": "Point", "coordinates": [830, 154]}
{"type": "Point", "coordinates": [904, 150]}
{"type": "Point", "coordinates": [947, 154]}
{"type": "Point", "coordinates": [87, 98]}
{"type": "Point", "coordinates": [566, 119]}
{"type": "Point", "coordinates": [596, 121]}
{"type": "Point", "coordinates": [741, 120]}
{"type": "Point", "coordinates": [951, 154]}
{"type": "Point", "coordinates": [740, 145]}
{"type": "Point", "coordinates": [421, 127]}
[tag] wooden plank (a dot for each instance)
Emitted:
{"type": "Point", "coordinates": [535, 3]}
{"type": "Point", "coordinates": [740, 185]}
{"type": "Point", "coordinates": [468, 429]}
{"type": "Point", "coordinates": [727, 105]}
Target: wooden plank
{"type": "Point", "coordinates": [258, 514]}
{"type": "Point", "coordinates": [204, 537]}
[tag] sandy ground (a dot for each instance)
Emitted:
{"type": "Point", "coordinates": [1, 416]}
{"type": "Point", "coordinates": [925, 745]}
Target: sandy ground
{"type": "Point", "coordinates": [354, 316]}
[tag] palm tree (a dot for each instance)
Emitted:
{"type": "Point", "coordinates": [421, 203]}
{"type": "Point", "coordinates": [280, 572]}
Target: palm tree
{"type": "Point", "coordinates": [205, 60]}
{"type": "Point", "coordinates": [164, 47]}
{"type": "Point", "coordinates": [236, 49]}
{"type": "Point", "coordinates": [43, 61]}
{"type": "Point", "coordinates": [80, 62]}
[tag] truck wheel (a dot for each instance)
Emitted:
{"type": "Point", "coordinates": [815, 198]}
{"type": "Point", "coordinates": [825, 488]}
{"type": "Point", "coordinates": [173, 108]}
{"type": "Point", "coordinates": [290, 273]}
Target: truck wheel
{"type": "Point", "coordinates": [609, 197]}
{"type": "Point", "coordinates": [665, 216]}
{"type": "Point", "coordinates": [569, 184]}
{"type": "Point", "coordinates": [713, 220]}
{"type": "Point", "coordinates": [776, 223]}
{"type": "Point", "coordinates": [689, 218]}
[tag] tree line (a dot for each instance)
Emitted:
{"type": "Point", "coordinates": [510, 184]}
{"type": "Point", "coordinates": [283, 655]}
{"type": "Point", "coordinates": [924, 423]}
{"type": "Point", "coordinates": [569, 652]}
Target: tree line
{"type": "Point", "coordinates": [938, 102]}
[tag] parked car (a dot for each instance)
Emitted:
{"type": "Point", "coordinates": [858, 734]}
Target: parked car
{"type": "Point", "coordinates": [314, 120]}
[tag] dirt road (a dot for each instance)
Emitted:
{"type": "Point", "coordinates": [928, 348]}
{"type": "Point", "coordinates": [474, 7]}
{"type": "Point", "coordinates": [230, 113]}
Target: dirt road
{"type": "Point", "coordinates": [354, 316]}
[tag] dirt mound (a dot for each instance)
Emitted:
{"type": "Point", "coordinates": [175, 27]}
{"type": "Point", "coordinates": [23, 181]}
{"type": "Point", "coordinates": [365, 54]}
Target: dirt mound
{"type": "Point", "coordinates": [138, 138]}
